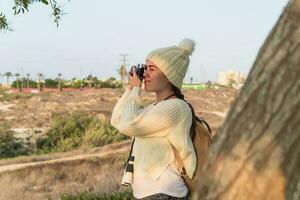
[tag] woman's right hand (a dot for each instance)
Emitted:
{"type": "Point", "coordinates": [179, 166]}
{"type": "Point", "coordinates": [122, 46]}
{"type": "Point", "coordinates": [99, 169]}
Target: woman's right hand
{"type": "Point", "coordinates": [133, 81]}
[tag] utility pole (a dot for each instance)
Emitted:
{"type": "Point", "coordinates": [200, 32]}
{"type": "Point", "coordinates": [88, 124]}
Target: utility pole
{"type": "Point", "coordinates": [122, 71]}
{"type": "Point", "coordinates": [81, 73]}
{"type": "Point", "coordinates": [59, 82]}
{"type": "Point", "coordinates": [124, 55]}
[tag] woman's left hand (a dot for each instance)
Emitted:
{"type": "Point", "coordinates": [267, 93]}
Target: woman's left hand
{"type": "Point", "coordinates": [134, 80]}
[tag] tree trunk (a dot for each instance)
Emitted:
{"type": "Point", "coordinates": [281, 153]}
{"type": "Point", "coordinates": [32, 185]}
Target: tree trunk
{"type": "Point", "coordinates": [256, 154]}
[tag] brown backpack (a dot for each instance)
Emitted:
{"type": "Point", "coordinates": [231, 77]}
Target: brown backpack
{"type": "Point", "coordinates": [201, 136]}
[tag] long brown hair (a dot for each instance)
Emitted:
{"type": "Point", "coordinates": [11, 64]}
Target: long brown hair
{"type": "Point", "coordinates": [179, 95]}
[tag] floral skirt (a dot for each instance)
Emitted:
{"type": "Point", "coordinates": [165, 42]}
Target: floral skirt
{"type": "Point", "coordinates": [161, 196]}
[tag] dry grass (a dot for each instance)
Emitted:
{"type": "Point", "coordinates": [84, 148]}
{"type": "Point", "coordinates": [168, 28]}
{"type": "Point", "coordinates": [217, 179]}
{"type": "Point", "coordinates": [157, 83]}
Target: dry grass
{"type": "Point", "coordinates": [64, 155]}
{"type": "Point", "coordinates": [97, 174]}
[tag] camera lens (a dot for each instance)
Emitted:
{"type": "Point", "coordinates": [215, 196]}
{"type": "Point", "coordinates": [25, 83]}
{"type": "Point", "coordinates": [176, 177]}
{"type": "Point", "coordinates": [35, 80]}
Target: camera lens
{"type": "Point", "coordinates": [129, 168]}
{"type": "Point", "coordinates": [131, 158]}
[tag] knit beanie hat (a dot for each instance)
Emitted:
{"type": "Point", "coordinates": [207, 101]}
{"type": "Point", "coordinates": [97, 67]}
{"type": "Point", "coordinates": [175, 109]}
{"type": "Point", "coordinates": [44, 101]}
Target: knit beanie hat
{"type": "Point", "coordinates": [173, 61]}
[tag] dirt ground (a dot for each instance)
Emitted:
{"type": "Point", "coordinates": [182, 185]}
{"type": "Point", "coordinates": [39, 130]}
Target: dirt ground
{"type": "Point", "coordinates": [100, 172]}
{"type": "Point", "coordinates": [33, 113]}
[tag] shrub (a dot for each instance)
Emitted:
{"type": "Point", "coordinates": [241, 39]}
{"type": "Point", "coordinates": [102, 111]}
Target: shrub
{"type": "Point", "coordinates": [32, 84]}
{"type": "Point", "coordinates": [65, 134]}
{"type": "Point", "coordinates": [101, 133]}
{"type": "Point", "coordinates": [4, 95]}
{"type": "Point", "coordinates": [9, 145]}
{"type": "Point", "coordinates": [126, 195]}
{"type": "Point", "coordinates": [111, 83]}
{"type": "Point", "coordinates": [79, 129]}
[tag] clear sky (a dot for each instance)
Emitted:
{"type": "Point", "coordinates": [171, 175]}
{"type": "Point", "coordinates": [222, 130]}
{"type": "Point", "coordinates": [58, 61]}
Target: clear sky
{"type": "Point", "coordinates": [93, 34]}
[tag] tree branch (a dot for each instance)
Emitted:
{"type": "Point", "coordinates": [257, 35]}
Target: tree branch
{"type": "Point", "coordinates": [23, 5]}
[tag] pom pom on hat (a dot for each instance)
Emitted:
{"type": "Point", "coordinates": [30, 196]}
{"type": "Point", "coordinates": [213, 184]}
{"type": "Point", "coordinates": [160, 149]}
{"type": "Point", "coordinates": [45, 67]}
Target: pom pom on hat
{"type": "Point", "coordinates": [187, 45]}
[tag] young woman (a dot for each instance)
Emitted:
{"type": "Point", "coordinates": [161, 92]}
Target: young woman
{"type": "Point", "coordinates": [166, 121]}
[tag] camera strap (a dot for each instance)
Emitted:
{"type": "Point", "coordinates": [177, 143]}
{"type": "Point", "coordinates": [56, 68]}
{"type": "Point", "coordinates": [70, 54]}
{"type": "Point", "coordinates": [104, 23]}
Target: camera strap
{"type": "Point", "coordinates": [166, 98]}
{"type": "Point", "coordinates": [130, 151]}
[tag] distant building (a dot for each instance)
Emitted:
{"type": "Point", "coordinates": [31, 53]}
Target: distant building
{"type": "Point", "coordinates": [232, 78]}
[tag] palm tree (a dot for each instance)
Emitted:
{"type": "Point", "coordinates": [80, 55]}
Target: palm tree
{"type": "Point", "coordinates": [40, 80]}
{"type": "Point", "coordinates": [28, 80]}
{"type": "Point", "coordinates": [7, 74]}
{"type": "Point", "coordinates": [0, 79]}
{"type": "Point", "coordinates": [89, 80]}
{"type": "Point", "coordinates": [123, 72]}
{"type": "Point", "coordinates": [17, 75]}
{"type": "Point", "coordinates": [191, 79]}
{"type": "Point", "coordinates": [22, 83]}
{"type": "Point", "coordinates": [59, 84]}
{"type": "Point", "coordinates": [95, 81]}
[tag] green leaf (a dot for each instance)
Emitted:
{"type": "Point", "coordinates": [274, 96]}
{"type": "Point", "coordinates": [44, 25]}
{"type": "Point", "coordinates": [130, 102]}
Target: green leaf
{"type": "Point", "coordinates": [45, 2]}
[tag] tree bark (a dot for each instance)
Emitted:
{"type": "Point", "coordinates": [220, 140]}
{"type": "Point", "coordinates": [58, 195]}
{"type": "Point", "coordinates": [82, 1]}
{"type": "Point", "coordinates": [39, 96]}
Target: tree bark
{"type": "Point", "coordinates": [256, 154]}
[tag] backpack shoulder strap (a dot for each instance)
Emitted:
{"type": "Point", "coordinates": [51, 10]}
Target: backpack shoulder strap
{"type": "Point", "coordinates": [179, 160]}
{"type": "Point", "coordinates": [201, 120]}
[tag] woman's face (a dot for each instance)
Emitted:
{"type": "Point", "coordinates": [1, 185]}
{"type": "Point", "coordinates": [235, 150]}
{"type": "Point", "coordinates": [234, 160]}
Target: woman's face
{"type": "Point", "coordinates": [155, 80]}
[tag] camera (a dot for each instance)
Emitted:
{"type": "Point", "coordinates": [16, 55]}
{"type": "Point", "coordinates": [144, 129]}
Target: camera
{"type": "Point", "coordinates": [140, 68]}
{"type": "Point", "coordinates": [128, 172]}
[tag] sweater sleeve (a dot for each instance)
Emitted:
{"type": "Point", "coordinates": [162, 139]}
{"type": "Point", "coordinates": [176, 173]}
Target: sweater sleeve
{"type": "Point", "coordinates": [155, 122]}
{"type": "Point", "coordinates": [122, 103]}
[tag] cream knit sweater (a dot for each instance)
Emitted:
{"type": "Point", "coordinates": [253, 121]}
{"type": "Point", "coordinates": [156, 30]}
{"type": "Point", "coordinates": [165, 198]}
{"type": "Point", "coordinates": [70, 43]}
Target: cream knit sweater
{"type": "Point", "coordinates": [155, 127]}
